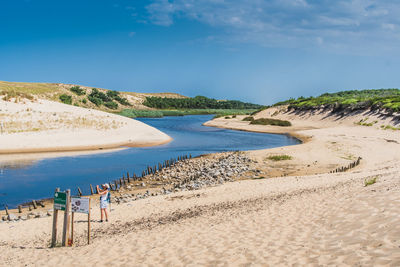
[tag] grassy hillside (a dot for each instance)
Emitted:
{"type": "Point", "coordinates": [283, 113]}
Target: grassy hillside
{"type": "Point", "coordinates": [375, 99]}
{"type": "Point", "coordinates": [83, 96]}
{"type": "Point", "coordinates": [128, 104]}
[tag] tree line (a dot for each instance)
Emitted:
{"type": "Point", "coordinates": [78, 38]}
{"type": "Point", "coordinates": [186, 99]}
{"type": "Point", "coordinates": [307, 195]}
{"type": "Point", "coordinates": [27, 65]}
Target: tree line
{"type": "Point", "coordinates": [198, 102]}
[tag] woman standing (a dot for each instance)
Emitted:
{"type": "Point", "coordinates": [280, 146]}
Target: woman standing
{"type": "Point", "coordinates": [103, 200]}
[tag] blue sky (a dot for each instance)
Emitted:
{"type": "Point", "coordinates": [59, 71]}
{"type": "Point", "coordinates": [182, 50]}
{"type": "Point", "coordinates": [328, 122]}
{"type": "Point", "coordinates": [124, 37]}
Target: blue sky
{"type": "Point", "coordinates": [255, 50]}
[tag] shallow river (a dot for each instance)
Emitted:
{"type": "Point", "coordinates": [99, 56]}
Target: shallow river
{"type": "Point", "coordinates": [37, 181]}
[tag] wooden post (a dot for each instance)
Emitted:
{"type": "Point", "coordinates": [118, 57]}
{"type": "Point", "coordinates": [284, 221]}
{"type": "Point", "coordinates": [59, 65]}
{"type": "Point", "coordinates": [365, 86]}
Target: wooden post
{"type": "Point", "coordinates": [72, 227]}
{"type": "Point", "coordinates": [91, 189]}
{"type": "Point", "coordinates": [88, 235]}
{"type": "Point", "coordinates": [6, 207]}
{"type": "Point", "coordinates": [54, 232]}
{"type": "Point", "coordinates": [79, 191]}
{"type": "Point", "coordinates": [19, 209]}
{"type": "Point", "coordinates": [65, 235]}
{"type": "Point", "coordinates": [34, 204]}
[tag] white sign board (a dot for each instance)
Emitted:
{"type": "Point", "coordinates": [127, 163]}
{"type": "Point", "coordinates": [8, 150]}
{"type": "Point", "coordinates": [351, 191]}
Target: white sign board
{"type": "Point", "coordinates": [80, 204]}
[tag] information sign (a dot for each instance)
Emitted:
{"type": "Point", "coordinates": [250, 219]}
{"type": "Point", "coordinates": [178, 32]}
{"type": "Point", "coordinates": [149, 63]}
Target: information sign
{"type": "Point", "coordinates": [60, 200]}
{"type": "Point", "coordinates": [80, 204]}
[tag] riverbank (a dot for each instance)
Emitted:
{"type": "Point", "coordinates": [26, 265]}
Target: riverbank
{"type": "Point", "coordinates": [46, 126]}
{"type": "Point", "coordinates": [304, 215]}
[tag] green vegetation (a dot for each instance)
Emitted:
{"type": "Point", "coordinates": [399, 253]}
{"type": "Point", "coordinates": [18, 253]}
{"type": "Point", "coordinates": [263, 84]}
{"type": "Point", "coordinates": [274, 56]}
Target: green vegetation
{"type": "Point", "coordinates": [390, 127]}
{"type": "Point", "coordinates": [249, 118]}
{"type": "Point", "coordinates": [99, 98]}
{"type": "Point", "coordinates": [370, 181]}
{"type": "Point", "coordinates": [279, 157]}
{"type": "Point", "coordinates": [116, 96]}
{"type": "Point", "coordinates": [274, 122]}
{"type": "Point", "coordinates": [198, 102]}
{"type": "Point", "coordinates": [134, 113]}
{"type": "Point", "coordinates": [363, 122]}
{"type": "Point", "coordinates": [66, 99]}
{"type": "Point", "coordinates": [387, 99]}
{"type": "Point", "coordinates": [77, 90]}
{"type": "Point", "coordinates": [111, 105]}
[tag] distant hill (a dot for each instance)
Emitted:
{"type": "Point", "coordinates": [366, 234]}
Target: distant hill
{"type": "Point", "coordinates": [387, 100]}
{"type": "Point", "coordinates": [78, 95]}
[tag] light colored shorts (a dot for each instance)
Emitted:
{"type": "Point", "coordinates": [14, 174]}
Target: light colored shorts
{"type": "Point", "coordinates": [103, 204]}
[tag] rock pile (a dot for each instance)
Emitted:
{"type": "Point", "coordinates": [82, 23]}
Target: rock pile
{"type": "Point", "coordinates": [14, 218]}
{"type": "Point", "coordinates": [191, 174]}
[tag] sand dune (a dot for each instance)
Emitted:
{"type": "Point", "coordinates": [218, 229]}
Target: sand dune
{"type": "Point", "coordinates": [46, 126]}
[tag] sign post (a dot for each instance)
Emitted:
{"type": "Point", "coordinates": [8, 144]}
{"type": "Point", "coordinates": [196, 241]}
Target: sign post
{"type": "Point", "coordinates": [55, 215]}
{"type": "Point", "coordinates": [61, 202]}
{"type": "Point", "coordinates": [66, 218]}
{"type": "Point", "coordinates": [80, 205]}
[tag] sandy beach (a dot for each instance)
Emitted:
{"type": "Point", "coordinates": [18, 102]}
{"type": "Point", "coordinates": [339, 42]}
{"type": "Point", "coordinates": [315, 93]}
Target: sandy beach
{"type": "Point", "coordinates": [46, 126]}
{"type": "Point", "coordinates": [295, 213]}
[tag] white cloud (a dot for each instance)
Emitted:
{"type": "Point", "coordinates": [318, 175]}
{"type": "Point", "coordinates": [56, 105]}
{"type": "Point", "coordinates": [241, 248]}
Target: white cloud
{"type": "Point", "coordinates": [338, 23]}
{"type": "Point", "coordinates": [388, 26]}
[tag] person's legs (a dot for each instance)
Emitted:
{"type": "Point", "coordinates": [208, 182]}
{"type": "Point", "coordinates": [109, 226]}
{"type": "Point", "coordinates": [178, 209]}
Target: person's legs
{"type": "Point", "coordinates": [105, 211]}
{"type": "Point", "coordinates": [101, 212]}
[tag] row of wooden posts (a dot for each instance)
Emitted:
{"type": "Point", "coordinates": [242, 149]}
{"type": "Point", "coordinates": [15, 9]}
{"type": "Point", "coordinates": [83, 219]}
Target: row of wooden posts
{"type": "Point", "coordinates": [346, 168]}
{"type": "Point", "coordinates": [116, 184]}
{"type": "Point", "coordinates": [33, 204]}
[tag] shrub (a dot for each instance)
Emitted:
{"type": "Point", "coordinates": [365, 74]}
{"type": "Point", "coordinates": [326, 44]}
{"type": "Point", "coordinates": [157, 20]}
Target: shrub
{"type": "Point", "coordinates": [84, 101]}
{"type": "Point", "coordinates": [249, 118]}
{"type": "Point", "coordinates": [116, 96]}
{"type": "Point", "coordinates": [66, 99]}
{"type": "Point", "coordinates": [274, 122]}
{"type": "Point", "coordinates": [370, 181]}
{"type": "Point", "coordinates": [112, 94]}
{"type": "Point", "coordinates": [122, 101]}
{"type": "Point", "coordinates": [100, 95]}
{"type": "Point", "coordinates": [227, 117]}
{"type": "Point", "coordinates": [97, 101]}
{"type": "Point", "coordinates": [111, 105]}
{"type": "Point", "coordinates": [77, 90]}
{"type": "Point", "coordinates": [280, 157]}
